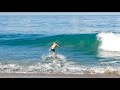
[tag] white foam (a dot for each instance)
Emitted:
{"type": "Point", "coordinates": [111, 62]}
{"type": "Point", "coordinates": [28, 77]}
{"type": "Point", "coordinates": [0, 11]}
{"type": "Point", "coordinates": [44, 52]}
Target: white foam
{"type": "Point", "coordinates": [108, 54]}
{"type": "Point", "coordinates": [59, 66]}
{"type": "Point", "coordinates": [60, 56]}
{"type": "Point", "coordinates": [109, 62]}
{"type": "Point", "coordinates": [56, 67]}
{"type": "Point", "coordinates": [109, 41]}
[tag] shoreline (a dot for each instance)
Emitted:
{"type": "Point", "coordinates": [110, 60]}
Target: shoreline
{"type": "Point", "coordinates": [41, 75]}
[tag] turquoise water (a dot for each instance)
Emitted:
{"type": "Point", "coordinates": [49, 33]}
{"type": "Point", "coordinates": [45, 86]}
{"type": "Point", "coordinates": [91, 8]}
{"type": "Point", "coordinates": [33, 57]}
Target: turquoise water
{"type": "Point", "coordinates": [90, 44]}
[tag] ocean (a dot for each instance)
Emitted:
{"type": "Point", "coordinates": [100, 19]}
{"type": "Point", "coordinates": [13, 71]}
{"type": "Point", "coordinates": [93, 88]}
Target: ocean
{"type": "Point", "coordinates": [90, 44]}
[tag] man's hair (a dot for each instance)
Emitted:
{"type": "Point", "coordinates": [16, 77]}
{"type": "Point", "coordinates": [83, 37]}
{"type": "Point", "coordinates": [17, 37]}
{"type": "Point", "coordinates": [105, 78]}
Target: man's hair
{"type": "Point", "coordinates": [56, 42]}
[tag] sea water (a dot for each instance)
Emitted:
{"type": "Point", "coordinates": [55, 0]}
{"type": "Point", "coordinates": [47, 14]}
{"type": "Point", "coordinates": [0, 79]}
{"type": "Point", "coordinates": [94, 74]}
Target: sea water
{"type": "Point", "coordinates": [90, 44]}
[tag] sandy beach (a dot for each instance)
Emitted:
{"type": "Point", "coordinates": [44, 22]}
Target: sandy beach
{"type": "Point", "coordinates": [38, 75]}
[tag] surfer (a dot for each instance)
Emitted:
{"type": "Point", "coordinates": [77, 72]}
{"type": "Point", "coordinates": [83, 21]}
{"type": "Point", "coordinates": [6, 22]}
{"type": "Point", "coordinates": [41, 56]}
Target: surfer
{"type": "Point", "coordinates": [52, 48]}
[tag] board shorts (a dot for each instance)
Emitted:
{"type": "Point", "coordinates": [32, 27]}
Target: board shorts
{"type": "Point", "coordinates": [53, 50]}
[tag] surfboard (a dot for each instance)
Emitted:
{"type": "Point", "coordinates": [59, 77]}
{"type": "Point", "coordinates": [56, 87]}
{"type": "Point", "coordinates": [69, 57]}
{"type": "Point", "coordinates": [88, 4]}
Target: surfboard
{"type": "Point", "coordinates": [51, 58]}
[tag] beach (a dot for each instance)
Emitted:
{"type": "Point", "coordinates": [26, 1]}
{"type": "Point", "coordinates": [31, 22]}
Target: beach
{"type": "Point", "coordinates": [41, 75]}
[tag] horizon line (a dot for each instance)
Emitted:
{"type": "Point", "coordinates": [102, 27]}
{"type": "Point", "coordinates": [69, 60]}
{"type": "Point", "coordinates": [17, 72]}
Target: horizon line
{"type": "Point", "coordinates": [59, 13]}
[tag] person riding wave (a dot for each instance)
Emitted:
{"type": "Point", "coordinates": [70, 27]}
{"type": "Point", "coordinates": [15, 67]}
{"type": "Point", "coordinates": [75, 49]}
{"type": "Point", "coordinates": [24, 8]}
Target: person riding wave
{"type": "Point", "coordinates": [52, 48]}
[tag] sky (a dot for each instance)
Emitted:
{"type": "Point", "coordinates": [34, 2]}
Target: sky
{"type": "Point", "coordinates": [59, 13]}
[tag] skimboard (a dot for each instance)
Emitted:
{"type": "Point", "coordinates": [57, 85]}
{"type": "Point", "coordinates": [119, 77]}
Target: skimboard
{"type": "Point", "coordinates": [51, 58]}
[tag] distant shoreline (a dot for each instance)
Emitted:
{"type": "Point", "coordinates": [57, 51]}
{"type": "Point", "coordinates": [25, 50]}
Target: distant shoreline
{"type": "Point", "coordinates": [41, 75]}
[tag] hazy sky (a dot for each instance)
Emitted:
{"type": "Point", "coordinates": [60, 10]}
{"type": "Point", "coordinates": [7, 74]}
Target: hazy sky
{"type": "Point", "coordinates": [59, 13]}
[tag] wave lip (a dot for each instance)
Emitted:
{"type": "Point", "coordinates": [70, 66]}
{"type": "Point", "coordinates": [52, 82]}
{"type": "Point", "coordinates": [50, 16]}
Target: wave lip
{"type": "Point", "coordinates": [109, 41]}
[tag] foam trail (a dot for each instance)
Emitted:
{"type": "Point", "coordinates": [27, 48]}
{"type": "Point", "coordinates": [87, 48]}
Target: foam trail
{"type": "Point", "coordinates": [109, 41]}
{"type": "Point", "coordinates": [109, 54]}
{"type": "Point", "coordinates": [60, 56]}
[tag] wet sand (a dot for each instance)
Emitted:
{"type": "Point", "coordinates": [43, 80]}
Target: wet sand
{"type": "Point", "coordinates": [40, 75]}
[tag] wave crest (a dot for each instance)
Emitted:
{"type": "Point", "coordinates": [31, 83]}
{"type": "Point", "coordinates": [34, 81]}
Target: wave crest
{"type": "Point", "coordinates": [109, 41]}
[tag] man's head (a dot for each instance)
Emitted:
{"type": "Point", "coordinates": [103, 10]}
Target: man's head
{"type": "Point", "coordinates": [56, 42]}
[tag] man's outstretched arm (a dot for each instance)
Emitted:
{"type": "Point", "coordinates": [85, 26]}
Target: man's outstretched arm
{"type": "Point", "coordinates": [59, 46]}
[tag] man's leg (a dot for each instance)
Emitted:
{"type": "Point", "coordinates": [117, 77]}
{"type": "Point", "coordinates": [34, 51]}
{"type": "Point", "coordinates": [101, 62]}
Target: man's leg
{"type": "Point", "coordinates": [54, 55]}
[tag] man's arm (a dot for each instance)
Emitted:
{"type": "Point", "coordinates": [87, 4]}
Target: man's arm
{"type": "Point", "coordinates": [59, 46]}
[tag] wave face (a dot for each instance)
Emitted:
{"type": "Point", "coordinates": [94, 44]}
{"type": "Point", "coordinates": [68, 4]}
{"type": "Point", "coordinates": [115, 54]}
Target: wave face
{"type": "Point", "coordinates": [70, 40]}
